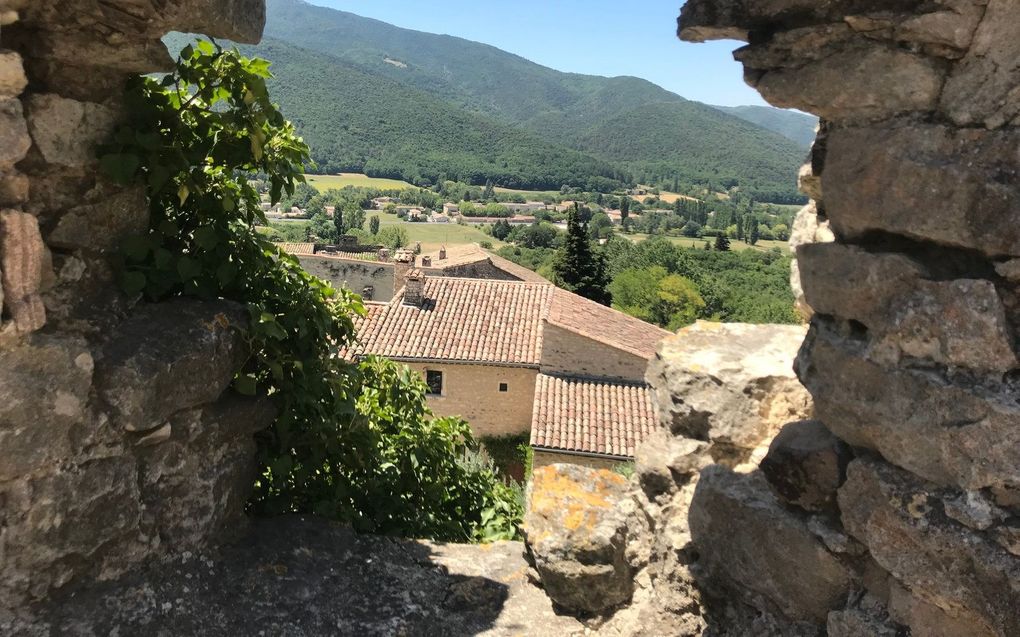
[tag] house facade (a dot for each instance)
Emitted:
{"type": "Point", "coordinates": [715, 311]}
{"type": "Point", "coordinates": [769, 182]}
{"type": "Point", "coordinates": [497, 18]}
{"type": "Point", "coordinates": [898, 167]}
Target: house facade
{"type": "Point", "coordinates": [515, 357]}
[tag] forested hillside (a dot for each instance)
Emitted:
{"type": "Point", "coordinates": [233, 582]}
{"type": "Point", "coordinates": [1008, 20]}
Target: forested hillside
{"type": "Point", "coordinates": [399, 103]}
{"type": "Point", "coordinates": [357, 122]}
{"type": "Point", "coordinates": [798, 127]}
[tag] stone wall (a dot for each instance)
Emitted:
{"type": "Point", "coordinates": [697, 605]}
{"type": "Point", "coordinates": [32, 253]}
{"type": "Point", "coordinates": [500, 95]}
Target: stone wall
{"type": "Point", "coordinates": [896, 509]}
{"type": "Point", "coordinates": [472, 392]}
{"type": "Point", "coordinates": [546, 458]}
{"type": "Point", "coordinates": [567, 352]}
{"type": "Point", "coordinates": [119, 439]}
{"type": "Point", "coordinates": [354, 275]}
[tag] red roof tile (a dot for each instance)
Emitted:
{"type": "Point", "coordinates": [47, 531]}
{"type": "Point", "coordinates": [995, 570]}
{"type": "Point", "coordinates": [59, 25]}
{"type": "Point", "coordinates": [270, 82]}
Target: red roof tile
{"type": "Point", "coordinates": [573, 414]}
{"type": "Point", "coordinates": [603, 324]}
{"type": "Point", "coordinates": [468, 320]}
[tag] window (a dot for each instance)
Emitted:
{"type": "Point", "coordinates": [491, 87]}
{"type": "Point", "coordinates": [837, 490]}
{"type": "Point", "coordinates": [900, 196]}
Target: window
{"type": "Point", "coordinates": [504, 387]}
{"type": "Point", "coordinates": [434, 379]}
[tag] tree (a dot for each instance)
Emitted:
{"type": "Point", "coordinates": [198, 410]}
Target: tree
{"type": "Point", "coordinates": [501, 229]}
{"type": "Point", "coordinates": [489, 192]}
{"type": "Point", "coordinates": [753, 235]}
{"type": "Point", "coordinates": [393, 237]}
{"type": "Point", "coordinates": [781, 232]}
{"type": "Point", "coordinates": [373, 224]}
{"type": "Point", "coordinates": [679, 302]}
{"type": "Point", "coordinates": [625, 212]}
{"type": "Point", "coordinates": [577, 266]}
{"type": "Point", "coordinates": [691, 229]}
{"type": "Point", "coordinates": [722, 243]}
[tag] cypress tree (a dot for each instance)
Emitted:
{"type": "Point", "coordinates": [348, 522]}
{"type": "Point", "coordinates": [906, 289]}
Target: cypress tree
{"type": "Point", "coordinates": [577, 266]}
{"type": "Point", "coordinates": [722, 242]}
{"type": "Point", "coordinates": [489, 192]}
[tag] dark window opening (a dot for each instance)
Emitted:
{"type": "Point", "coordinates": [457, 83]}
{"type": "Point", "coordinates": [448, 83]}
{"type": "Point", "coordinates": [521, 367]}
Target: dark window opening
{"type": "Point", "coordinates": [504, 387]}
{"type": "Point", "coordinates": [434, 380]}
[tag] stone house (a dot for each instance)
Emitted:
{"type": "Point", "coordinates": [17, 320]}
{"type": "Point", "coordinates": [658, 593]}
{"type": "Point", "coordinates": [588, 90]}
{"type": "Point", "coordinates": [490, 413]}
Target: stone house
{"type": "Point", "coordinates": [514, 357]}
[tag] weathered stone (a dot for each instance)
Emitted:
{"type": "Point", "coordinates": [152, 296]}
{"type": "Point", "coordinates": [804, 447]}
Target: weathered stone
{"type": "Point", "coordinates": [810, 183]}
{"type": "Point", "coordinates": [102, 226]}
{"type": "Point", "coordinates": [663, 462]}
{"type": "Point", "coordinates": [22, 261]}
{"type": "Point", "coordinates": [925, 618]}
{"type": "Point", "coordinates": [13, 188]}
{"type": "Point", "coordinates": [807, 228]}
{"type": "Point", "coordinates": [1009, 270]}
{"type": "Point", "coordinates": [702, 20]}
{"type": "Point", "coordinates": [957, 187]}
{"type": "Point", "coordinates": [293, 575]}
{"type": "Point", "coordinates": [14, 138]}
{"type": "Point", "coordinates": [67, 132]}
{"type": "Point", "coordinates": [806, 464]}
{"type": "Point", "coordinates": [44, 388]}
{"type": "Point", "coordinates": [731, 385]}
{"type": "Point", "coordinates": [959, 323]}
{"type": "Point", "coordinates": [576, 534]}
{"type": "Point", "coordinates": [12, 75]}
{"type": "Point", "coordinates": [794, 574]}
{"type": "Point", "coordinates": [859, 623]}
{"type": "Point", "coordinates": [168, 357]}
{"type": "Point", "coordinates": [964, 574]}
{"type": "Point", "coordinates": [849, 79]}
{"type": "Point", "coordinates": [195, 484]}
{"type": "Point", "coordinates": [984, 87]}
{"type": "Point", "coordinates": [946, 433]}
{"type": "Point", "coordinates": [953, 28]}
{"type": "Point", "coordinates": [83, 519]}
{"type": "Point", "coordinates": [238, 20]}
{"type": "Point", "coordinates": [973, 509]}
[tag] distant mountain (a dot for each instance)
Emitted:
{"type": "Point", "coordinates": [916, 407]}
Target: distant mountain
{"type": "Point", "coordinates": [396, 102]}
{"type": "Point", "coordinates": [798, 127]}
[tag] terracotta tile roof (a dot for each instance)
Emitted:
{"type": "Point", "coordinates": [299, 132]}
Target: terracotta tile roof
{"type": "Point", "coordinates": [469, 320]}
{"type": "Point", "coordinates": [605, 325]}
{"type": "Point", "coordinates": [464, 254]}
{"type": "Point", "coordinates": [350, 256]}
{"type": "Point", "coordinates": [574, 414]}
{"type": "Point", "coordinates": [519, 271]}
{"type": "Point", "coordinates": [297, 248]}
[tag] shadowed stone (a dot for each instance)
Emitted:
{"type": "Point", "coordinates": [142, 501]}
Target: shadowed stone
{"type": "Point", "coordinates": [806, 464]}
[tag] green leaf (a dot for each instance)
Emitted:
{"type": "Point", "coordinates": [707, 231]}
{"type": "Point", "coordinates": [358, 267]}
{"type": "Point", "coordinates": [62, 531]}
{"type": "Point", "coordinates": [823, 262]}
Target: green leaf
{"type": "Point", "coordinates": [188, 268]}
{"type": "Point", "coordinates": [226, 273]}
{"type": "Point", "coordinates": [120, 167]}
{"type": "Point", "coordinates": [245, 385]}
{"type": "Point", "coordinates": [132, 282]}
{"type": "Point", "coordinates": [206, 237]}
{"type": "Point", "coordinates": [137, 248]}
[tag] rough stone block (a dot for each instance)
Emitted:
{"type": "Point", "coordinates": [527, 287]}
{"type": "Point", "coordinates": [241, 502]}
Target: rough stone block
{"type": "Point", "coordinates": [957, 187]}
{"type": "Point", "coordinates": [14, 138]}
{"type": "Point", "coordinates": [67, 132]}
{"type": "Point", "coordinates": [806, 464]}
{"type": "Point", "coordinates": [83, 519]}
{"type": "Point", "coordinates": [576, 532]}
{"type": "Point", "coordinates": [44, 389]}
{"type": "Point", "coordinates": [101, 226]}
{"type": "Point", "coordinates": [791, 572]}
{"type": "Point", "coordinates": [23, 258]}
{"type": "Point", "coordinates": [949, 434]}
{"type": "Point", "coordinates": [168, 357]}
{"type": "Point", "coordinates": [958, 323]}
{"type": "Point", "coordinates": [664, 462]}
{"type": "Point", "coordinates": [984, 87]}
{"type": "Point", "coordinates": [731, 385]}
{"type": "Point", "coordinates": [852, 80]}
{"type": "Point", "coordinates": [13, 188]}
{"type": "Point", "coordinates": [959, 575]}
{"type": "Point", "coordinates": [238, 20]}
{"type": "Point", "coordinates": [859, 623]}
{"type": "Point", "coordinates": [12, 74]}
{"type": "Point", "coordinates": [195, 484]}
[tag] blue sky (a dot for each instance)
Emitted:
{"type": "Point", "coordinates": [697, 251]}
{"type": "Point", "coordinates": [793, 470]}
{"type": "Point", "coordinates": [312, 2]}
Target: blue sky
{"type": "Point", "coordinates": [600, 37]}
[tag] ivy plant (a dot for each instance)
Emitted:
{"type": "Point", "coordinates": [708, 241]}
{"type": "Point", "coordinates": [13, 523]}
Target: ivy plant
{"type": "Point", "coordinates": [354, 441]}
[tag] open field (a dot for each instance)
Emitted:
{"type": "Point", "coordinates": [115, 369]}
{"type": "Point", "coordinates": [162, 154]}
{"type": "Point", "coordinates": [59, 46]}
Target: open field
{"type": "Point", "coordinates": [327, 182]}
{"type": "Point", "coordinates": [666, 196]}
{"type": "Point", "coordinates": [686, 242]}
{"type": "Point", "coordinates": [431, 235]}
{"type": "Point", "coordinates": [531, 195]}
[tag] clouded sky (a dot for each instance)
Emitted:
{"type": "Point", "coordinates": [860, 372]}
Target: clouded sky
{"type": "Point", "coordinates": [600, 37]}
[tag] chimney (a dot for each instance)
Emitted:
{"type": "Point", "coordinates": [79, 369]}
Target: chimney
{"type": "Point", "coordinates": [414, 288]}
{"type": "Point", "coordinates": [383, 254]}
{"type": "Point", "coordinates": [426, 262]}
{"type": "Point", "coordinates": [442, 253]}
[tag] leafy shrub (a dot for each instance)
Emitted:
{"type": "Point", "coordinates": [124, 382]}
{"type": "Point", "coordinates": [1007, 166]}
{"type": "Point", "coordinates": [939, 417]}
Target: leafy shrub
{"type": "Point", "coordinates": [352, 441]}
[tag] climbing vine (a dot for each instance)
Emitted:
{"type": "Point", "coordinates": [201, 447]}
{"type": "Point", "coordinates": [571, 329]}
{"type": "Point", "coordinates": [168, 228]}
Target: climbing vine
{"type": "Point", "coordinates": [355, 442]}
